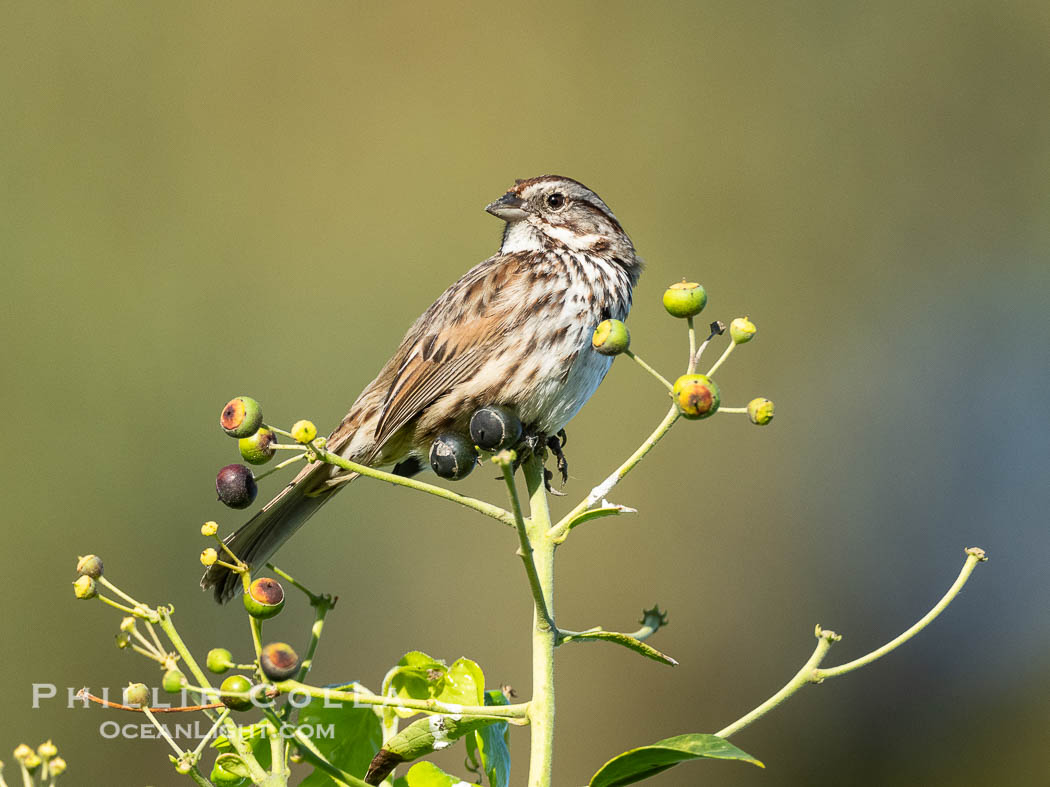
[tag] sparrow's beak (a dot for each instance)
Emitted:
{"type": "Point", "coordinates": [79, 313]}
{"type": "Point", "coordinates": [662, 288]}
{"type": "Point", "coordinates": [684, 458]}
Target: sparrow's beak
{"type": "Point", "coordinates": [509, 207]}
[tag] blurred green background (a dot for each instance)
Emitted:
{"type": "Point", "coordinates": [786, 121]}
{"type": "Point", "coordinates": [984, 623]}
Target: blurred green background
{"type": "Point", "coordinates": [201, 200]}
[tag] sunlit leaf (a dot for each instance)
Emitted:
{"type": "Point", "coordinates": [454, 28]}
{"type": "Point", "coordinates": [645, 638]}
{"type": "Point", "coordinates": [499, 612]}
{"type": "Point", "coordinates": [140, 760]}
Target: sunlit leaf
{"type": "Point", "coordinates": [346, 736]}
{"type": "Point", "coordinates": [427, 774]}
{"type": "Point", "coordinates": [641, 763]}
{"type": "Point", "coordinates": [626, 641]}
{"type": "Point", "coordinates": [492, 746]}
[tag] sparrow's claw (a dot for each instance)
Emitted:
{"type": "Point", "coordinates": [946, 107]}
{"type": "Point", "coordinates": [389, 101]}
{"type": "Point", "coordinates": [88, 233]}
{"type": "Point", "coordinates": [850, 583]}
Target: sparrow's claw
{"type": "Point", "coordinates": [555, 444]}
{"type": "Point", "coordinates": [537, 443]}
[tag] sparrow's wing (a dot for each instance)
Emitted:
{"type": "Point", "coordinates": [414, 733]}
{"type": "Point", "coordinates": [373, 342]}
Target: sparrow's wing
{"type": "Point", "coordinates": [435, 362]}
{"type": "Point", "coordinates": [445, 346]}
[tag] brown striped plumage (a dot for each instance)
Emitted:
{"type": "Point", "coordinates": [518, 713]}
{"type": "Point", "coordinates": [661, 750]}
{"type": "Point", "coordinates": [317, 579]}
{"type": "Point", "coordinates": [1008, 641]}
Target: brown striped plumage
{"type": "Point", "coordinates": [514, 330]}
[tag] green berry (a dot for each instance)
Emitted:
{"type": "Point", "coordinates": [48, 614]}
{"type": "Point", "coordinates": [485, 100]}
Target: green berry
{"type": "Point", "coordinates": [90, 566]}
{"type": "Point", "coordinates": [495, 428]}
{"type": "Point", "coordinates": [123, 640]}
{"type": "Point", "coordinates": [57, 766]}
{"type": "Point", "coordinates": [85, 587]}
{"type": "Point", "coordinates": [136, 695]}
{"type": "Point", "coordinates": [685, 299]}
{"type": "Point", "coordinates": [241, 417]}
{"type": "Point", "coordinates": [760, 411]}
{"type": "Point", "coordinates": [611, 337]}
{"type": "Point", "coordinates": [173, 681]}
{"type": "Point", "coordinates": [741, 330]}
{"type": "Point", "coordinates": [235, 485]}
{"type": "Point", "coordinates": [278, 661]}
{"type": "Point", "coordinates": [259, 448]}
{"type": "Point", "coordinates": [219, 660]}
{"type": "Point", "coordinates": [453, 456]}
{"type": "Point", "coordinates": [237, 683]}
{"type": "Point", "coordinates": [696, 395]}
{"type": "Point", "coordinates": [304, 431]}
{"type": "Point", "coordinates": [32, 762]}
{"type": "Point", "coordinates": [209, 556]}
{"type": "Point", "coordinates": [264, 599]}
{"type": "Point", "coordinates": [47, 750]}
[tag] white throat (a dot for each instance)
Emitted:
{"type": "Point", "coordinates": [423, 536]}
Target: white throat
{"type": "Point", "coordinates": [521, 236]}
{"type": "Point", "coordinates": [525, 236]}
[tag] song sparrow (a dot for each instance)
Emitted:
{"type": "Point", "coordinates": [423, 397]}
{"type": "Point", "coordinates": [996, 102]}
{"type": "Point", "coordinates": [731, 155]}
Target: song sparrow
{"type": "Point", "coordinates": [515, 330]}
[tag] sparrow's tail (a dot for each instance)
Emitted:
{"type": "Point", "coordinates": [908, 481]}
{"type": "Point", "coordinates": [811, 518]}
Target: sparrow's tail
{"type": "Point", "coordinates": [261, 536]}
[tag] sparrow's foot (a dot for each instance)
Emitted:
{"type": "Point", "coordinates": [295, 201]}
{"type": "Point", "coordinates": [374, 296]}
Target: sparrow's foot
{"type": "Point", "coordinates": [555, 445]}
{"type": "Point", "coordinates": [547, 476]}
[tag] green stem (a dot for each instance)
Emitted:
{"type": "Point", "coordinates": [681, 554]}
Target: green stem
{"type": "Point", "coordinates": [811, 672]}
{"type": "Point", "coordinates": [825, 639]}
{"type": "Point", "coordinates": [148, 654]}
{"type": "Point", "coordinates": [315, 599]}
{"type": "Point", "coordinates": [257, 772]}
{"type": "Point", "coordinates": [163, 732]}
{"type": "Point", "coordinates": [721, 359]}
{"type": "Point", "coordinates": [211, 732]}
{"type": "Point", "coordinates": [106, 583]}
{"type": "Point", "coordinates": [315, 637]}
{"type": "Point", "coordinates": [153, 635]}
{"type": "Point", "coordinates": [281, 465]}
{"type": "Point", "coordinates": [256, 626]}
{"type": "Point", "coordinates": [559, 531]}
{"type": "Point", "coordinates": [115, 604]}
{"type": "Point", "coordinates": [277, 430]}
{"type": "Point", "coordinates": [513, 713]}
{"type": "Point", "coordinates": [692, 347]}
{"type": "Point", "coordinates": [278, 766]}
{"type": "Point", "coordinates": [198, 777]}
{"type": "Point", "coordinates": [649, 369]}
{"type": "Point", "coordinates": [155, 652]}
{"type": "Point", "coordinates": [489, 510]}
{"type": "Point", "coordinates": [694, 361]}
{"type": "Point", "coordinates": [544, 633]}
{"type": "Point", "coordinates": [975, 555]}
{"type": "Point", "coordinates": [505, 459]}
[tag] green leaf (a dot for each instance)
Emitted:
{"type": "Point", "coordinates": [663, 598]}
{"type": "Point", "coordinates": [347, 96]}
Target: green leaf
{"type": "Point", "coordinates": [492, 745]}
{"type": "Point", "coordinates": [463, 684]}
{"type": "Point", "coordinates": [606, 509]}
{"type": "Point", "coordinates": [417, 676]}
{"type": "Point", "coordinates": [427, 774]}
{"type": "Point", "coordinates": [348, 737]}
{"type": "Point", "coordinates": [627, 641]}
{"type": "Point", "coordinates": [641, 763]}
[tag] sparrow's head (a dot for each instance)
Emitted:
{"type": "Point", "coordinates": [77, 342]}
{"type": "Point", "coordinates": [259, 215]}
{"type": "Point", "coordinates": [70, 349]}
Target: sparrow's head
{"type": "Point", "coordinates": [553, 211]}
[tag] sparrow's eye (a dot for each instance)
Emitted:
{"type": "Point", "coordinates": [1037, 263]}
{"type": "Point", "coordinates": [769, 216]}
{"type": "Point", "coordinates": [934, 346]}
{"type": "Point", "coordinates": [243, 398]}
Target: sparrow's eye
{"type": "Point", "coordinates": [556, 201]}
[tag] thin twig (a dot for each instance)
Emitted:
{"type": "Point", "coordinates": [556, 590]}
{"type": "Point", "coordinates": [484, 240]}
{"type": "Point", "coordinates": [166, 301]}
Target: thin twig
{"type": "Point", "coordinates": [505, 460]}
{"type": "Point", "coordinates": [84, 694]}
{"type": "Point", "coordinates": [489, 510]}
{"type": "Point", "coordinates": [599, 492]}
{"type": "Point", "coordinates": [663, 380]}
{"type": "Point", "coordinates": [811, 673]}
